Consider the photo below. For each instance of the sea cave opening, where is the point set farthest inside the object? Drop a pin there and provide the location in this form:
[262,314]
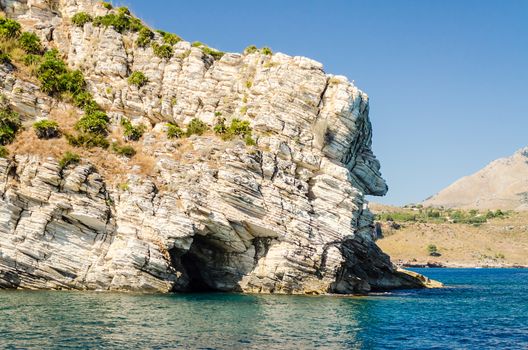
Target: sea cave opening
[204,267]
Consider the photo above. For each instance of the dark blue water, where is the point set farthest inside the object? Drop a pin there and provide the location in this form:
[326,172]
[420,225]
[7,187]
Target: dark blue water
[479,309]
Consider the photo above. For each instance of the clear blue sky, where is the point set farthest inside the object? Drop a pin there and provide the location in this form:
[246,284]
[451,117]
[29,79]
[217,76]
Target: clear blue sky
[447,80]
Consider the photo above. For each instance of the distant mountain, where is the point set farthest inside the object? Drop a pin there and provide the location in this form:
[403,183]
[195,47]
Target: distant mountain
[502,184]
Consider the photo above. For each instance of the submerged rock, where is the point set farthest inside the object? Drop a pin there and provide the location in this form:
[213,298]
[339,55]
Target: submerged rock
[287,215]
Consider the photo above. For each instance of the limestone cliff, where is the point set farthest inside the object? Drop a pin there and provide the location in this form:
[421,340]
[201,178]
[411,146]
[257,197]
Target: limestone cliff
[286,215]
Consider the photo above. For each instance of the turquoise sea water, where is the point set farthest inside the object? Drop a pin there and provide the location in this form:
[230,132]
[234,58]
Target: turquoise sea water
[479,309]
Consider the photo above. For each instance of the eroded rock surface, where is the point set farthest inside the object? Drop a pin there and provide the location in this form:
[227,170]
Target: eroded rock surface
[285,216]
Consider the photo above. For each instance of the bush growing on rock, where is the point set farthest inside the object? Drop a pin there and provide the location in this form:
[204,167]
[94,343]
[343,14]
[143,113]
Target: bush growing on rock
[30,43]
[266,51]
[126,151]
[249,141]
[196,127]
[216,54]
[169,38]
[432,250]
[46,129]
[88,140]
[123,11]
[55,77]
[121,22]
[138,79]
[73,82]
[85,101]
[9,29]
[81,18]
[237,127]
[145,37]
[5,58]
[107,5]
[31,59]
[131,132]
[163,51]
[4,153]
[95,123]
[9,125]
[250,49]
[220,128]
[497,214]
[174,131]
[69,158]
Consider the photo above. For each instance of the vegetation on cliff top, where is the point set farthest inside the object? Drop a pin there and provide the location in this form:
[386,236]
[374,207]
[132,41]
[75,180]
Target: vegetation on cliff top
[25,50]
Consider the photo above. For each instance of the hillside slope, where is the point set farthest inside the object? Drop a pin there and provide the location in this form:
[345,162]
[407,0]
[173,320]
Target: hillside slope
[500,241]
[503,184]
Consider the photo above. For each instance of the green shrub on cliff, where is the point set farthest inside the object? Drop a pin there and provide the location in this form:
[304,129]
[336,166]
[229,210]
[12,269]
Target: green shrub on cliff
[95,122]
[107,5]
[145,37]
[163,51]
[266,51]
[215,53]
[46,129]
[4,153]
[125,151]
[31,59]
[88,140]
[169,38]
[9,125]
[9,29]
[138,79]
[196,127]
[174,131]
[121,22]
[132,132]
[85,101]
[30,43]
[240,128]
[69,158]
[4,58]
[56,78]
[250,49]
[81,18]
[249,141]
[220,127]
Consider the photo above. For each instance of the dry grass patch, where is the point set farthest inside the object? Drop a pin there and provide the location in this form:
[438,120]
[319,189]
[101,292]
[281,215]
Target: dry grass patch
[498,242]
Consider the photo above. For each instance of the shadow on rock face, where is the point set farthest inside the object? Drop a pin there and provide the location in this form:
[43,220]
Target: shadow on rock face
[208,266]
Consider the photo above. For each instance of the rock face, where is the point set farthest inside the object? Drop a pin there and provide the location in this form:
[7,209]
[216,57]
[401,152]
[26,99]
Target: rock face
[502,184]
[285,216]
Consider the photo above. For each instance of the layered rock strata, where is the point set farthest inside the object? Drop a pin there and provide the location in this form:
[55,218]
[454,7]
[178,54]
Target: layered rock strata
[285,216]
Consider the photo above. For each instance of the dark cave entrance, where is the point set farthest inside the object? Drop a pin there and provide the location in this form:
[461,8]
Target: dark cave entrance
[210,266]
[193,266]
[198,265]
